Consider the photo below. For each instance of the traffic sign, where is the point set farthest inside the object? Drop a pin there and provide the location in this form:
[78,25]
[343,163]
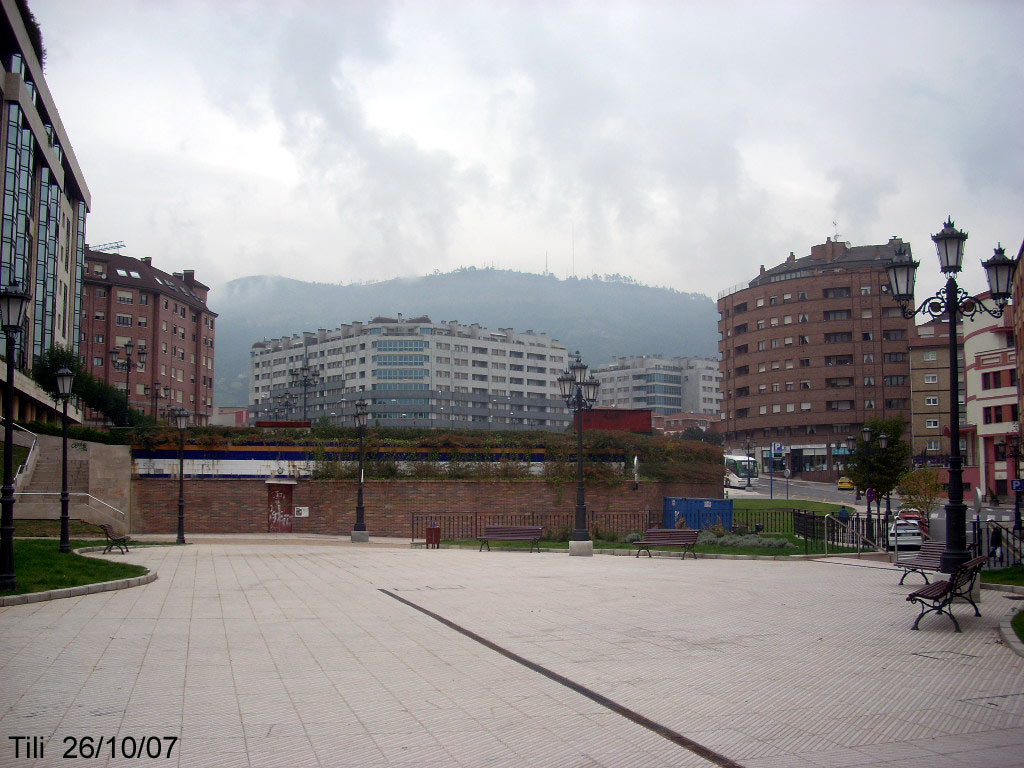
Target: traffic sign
[1017,485]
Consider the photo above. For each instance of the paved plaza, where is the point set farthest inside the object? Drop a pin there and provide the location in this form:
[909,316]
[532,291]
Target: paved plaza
[323,653]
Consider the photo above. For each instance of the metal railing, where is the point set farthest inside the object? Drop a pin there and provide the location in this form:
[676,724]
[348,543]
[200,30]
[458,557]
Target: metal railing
[72,493]
[469,525]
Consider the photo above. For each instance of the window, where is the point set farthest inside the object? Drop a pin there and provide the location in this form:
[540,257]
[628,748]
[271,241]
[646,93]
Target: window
[865,290]
[894,357]
[805,362]
[869,405]
[101,292]
[99,338]
[894,334]
[865,314]
[838,338]
[895,381]
[838,314]
[869,357]
[97,362]
[869,381]
[125,297]
[931,400]
[931,378]
[931,423]
[867,336]
[933,445]
[837,293]
[930,355]
[805,406]
[124,320]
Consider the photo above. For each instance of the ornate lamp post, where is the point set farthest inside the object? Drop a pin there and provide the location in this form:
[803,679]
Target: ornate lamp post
[180,416]
[127,365]
[580,393]
[65,378]
[13,303]
[359,532]
[750,455]
[953,302]
[306,376]
[883,444]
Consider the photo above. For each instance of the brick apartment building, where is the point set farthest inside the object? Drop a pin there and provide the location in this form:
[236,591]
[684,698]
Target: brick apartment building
[129,300]
[810,351]
[929,385]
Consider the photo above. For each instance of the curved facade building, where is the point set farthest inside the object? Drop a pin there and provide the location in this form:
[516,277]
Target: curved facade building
[811,350]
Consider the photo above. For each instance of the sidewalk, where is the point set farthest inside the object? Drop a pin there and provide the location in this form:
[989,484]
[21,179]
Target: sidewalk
[322,653]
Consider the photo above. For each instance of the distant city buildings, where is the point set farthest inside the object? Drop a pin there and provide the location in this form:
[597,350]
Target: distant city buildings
[45,202]
[812,349]
[412,372]
[665,385]
[129,301]
[929,434]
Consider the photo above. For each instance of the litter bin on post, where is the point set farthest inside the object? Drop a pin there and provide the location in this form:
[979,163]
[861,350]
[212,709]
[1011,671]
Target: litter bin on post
[433,536]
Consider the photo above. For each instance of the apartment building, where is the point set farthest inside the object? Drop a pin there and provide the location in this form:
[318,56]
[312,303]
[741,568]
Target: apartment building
[45,202]
[990,370]
[811,350]
[129,301]
[929,386]
[412,372]
[662,384]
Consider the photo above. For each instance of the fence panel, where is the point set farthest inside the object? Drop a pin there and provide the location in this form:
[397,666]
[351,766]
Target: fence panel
[457,525]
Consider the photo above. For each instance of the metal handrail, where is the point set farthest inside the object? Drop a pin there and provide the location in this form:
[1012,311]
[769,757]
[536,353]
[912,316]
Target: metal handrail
[32,455]
[71,493]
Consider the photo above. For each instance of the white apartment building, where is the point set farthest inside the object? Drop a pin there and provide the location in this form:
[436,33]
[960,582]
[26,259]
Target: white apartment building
[412,373]
[665,385]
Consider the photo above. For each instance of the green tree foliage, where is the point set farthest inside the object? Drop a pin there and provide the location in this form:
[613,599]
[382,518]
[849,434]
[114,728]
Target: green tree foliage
[93,392]
[921,488]
[871,466]
[703,436]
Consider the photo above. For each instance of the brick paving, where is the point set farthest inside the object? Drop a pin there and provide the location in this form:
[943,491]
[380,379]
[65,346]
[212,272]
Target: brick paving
[291,653]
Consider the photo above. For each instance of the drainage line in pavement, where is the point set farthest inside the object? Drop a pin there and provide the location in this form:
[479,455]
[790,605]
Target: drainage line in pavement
[658,728]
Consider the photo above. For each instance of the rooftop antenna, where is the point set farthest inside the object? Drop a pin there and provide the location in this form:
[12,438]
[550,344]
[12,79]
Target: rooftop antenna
[835,231]
[573,250]
[117,245]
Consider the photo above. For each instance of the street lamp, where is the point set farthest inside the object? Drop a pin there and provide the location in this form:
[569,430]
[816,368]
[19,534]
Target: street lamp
[306,376]
[359,532]
[952,302]
[127,365]
[750,458]
[580,393]
[180,416]
[13,304]
[883,443]
[65,378]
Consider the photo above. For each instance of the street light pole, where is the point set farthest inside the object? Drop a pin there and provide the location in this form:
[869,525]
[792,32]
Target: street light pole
[181,422]
[13,303]
[953,302]
[359,532]
[127,365]
[750,457]
[580,393]
[65,378]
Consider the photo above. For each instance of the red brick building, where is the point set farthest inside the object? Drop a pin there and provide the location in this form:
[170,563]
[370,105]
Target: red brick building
[812,349]
[129,300]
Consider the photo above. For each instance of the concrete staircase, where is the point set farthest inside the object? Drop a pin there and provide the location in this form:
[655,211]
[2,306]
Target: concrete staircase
[38,494]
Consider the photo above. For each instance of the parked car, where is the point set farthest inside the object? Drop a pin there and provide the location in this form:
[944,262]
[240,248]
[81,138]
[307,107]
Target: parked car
[909,513]
[844,484]
[905,534]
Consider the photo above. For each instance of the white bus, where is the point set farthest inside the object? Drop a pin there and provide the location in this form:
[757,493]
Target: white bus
[738,470]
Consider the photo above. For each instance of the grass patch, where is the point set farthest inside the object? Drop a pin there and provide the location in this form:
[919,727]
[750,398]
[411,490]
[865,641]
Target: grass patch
[40,567]
[821,507]
[710,549]
[1017,622]
[1013,576]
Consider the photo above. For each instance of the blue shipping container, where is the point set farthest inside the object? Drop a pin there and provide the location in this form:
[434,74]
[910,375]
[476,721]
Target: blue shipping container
[698,513]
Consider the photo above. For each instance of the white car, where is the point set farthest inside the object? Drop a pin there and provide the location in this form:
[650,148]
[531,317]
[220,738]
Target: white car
[904,534]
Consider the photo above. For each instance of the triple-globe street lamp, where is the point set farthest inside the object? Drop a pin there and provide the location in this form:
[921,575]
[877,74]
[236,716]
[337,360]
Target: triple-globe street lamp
[127,365]
[883,443]
[180,418]
[952,302]
[580,393]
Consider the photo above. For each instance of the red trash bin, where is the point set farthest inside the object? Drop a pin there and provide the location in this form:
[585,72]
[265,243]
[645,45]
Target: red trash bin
[433,537]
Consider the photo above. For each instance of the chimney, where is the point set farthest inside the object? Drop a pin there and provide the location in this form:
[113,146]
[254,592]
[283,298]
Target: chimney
[188,275]
[147,260]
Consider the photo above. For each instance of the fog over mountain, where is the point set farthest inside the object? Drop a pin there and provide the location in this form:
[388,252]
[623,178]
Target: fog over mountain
[604,317]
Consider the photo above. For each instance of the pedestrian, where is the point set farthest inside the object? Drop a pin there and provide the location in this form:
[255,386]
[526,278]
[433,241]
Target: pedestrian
[995,541]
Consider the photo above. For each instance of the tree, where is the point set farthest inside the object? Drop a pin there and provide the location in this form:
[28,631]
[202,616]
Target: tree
[921,488]
[871,466]
[703,435]
[94,393]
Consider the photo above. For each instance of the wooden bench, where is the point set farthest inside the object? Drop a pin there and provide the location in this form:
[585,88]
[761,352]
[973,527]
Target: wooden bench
[938,596]
[530,533]
[668,537]
[114,540]
[925,559]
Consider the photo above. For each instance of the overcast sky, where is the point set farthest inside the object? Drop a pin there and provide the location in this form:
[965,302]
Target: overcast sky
[681,143]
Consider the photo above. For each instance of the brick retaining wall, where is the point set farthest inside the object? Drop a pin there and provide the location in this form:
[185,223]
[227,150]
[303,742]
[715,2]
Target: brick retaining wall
[228,505]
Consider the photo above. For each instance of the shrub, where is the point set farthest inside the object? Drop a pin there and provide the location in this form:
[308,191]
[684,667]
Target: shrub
[749,540]
[631,537]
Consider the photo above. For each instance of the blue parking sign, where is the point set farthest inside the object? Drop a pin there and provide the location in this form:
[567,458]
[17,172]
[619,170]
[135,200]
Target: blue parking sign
[1017,485]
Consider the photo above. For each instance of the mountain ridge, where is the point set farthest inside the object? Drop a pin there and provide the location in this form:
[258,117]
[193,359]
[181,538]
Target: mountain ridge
[604,317]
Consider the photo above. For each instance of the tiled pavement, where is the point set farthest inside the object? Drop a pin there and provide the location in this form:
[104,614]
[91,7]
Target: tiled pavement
[290,654]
